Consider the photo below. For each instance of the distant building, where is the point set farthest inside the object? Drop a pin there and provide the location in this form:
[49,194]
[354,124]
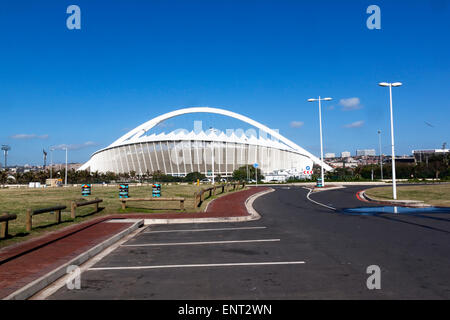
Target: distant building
[330,155]
[422,155]
[345,154]
[365,152]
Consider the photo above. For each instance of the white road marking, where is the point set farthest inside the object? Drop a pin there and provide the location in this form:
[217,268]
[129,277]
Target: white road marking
[320,204]
[202,230]
[199,265]
[196,243]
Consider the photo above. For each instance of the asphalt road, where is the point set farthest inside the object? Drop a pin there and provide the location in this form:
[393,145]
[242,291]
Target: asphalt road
[297,250]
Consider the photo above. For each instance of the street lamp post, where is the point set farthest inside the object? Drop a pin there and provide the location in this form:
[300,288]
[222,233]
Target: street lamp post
[65,182]
[390,85]
[51,162]
[381,156]
[321,144]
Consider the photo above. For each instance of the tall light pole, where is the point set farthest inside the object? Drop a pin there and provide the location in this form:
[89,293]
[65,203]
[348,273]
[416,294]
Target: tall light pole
[65,182]
[51,162]
[5,149]
[321,144]
[390,85]
[381,155]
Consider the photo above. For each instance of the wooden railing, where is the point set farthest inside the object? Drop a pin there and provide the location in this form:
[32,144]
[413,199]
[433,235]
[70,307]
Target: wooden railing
[125,200]
[30,213]
[200,196]
[4,220]
[74,205]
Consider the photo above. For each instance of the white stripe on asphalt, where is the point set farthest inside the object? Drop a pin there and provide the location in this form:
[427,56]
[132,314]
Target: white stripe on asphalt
[320,204]
[200,265]
[196,243]
[201,230]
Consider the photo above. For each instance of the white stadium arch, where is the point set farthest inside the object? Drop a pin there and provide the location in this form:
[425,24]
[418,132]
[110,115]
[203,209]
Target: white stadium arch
[136,151]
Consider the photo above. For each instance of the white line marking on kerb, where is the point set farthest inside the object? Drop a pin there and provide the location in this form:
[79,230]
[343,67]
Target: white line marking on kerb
[202,230]
[196,243]
[200,265]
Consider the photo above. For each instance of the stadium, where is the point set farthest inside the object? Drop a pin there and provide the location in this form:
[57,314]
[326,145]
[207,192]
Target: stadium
[211,152]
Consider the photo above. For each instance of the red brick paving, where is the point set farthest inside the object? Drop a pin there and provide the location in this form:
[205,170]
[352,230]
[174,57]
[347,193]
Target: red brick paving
[27,261]
[18,272]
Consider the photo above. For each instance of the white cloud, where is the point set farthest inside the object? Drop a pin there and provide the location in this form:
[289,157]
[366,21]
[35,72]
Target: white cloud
[356,124]
[296,124]
[29,136]
[74,146]
[350,104]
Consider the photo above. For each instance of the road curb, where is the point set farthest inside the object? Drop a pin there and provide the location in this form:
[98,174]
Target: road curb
[253,214]
[403,203]
[42,282]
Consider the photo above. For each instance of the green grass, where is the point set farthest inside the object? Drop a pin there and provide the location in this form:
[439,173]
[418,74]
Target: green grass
[17,201]
[436,195]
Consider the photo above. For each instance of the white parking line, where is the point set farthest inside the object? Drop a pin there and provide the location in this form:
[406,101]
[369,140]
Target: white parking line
[197,243]
[200,265]
[202,230]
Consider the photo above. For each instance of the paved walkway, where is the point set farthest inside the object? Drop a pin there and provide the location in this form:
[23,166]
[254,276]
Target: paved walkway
[22,263]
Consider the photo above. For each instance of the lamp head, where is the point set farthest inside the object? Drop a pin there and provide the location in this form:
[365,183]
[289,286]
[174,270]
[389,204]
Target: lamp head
[327,99]
[397,84]
[311,100]
[383,84]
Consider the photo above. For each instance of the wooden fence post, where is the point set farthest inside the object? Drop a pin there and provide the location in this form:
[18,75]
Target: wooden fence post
[124,204]
[214,191]
[4,231]
[182,205]
[73,208]
[58,216]
[29,220]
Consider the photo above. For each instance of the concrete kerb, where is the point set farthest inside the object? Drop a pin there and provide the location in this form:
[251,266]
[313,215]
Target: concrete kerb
[253,215]
[314,190]
[405,203]
[39,284]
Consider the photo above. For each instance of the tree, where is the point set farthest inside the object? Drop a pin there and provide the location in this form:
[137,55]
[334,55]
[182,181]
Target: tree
[241,173]
[193,176]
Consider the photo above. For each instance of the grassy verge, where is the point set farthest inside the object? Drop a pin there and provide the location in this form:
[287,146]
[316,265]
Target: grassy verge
[17,201]
[436,195]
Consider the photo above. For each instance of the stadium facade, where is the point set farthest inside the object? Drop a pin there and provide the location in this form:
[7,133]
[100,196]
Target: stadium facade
[212,152]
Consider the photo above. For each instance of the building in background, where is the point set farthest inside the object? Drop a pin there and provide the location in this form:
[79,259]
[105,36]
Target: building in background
[330,155]
[345,154]
[365,152]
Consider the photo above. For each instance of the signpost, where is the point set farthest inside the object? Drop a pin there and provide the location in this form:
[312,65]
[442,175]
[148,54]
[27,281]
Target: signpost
[86,190]
[123,190]
[156,190]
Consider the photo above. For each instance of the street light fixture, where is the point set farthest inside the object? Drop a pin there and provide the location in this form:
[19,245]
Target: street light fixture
[390,85]
[321,144]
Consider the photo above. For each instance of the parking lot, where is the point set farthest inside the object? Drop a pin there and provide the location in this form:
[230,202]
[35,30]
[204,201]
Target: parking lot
[186,261]
[297,250]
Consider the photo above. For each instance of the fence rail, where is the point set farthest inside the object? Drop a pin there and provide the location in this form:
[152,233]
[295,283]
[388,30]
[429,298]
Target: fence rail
[30,213]
[199,197]
[4,220]
[74,205]
[181,200]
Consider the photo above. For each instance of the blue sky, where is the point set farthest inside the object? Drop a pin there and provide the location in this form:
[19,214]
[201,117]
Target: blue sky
[134,60]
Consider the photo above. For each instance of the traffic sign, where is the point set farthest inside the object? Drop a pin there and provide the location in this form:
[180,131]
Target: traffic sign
[255,165]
